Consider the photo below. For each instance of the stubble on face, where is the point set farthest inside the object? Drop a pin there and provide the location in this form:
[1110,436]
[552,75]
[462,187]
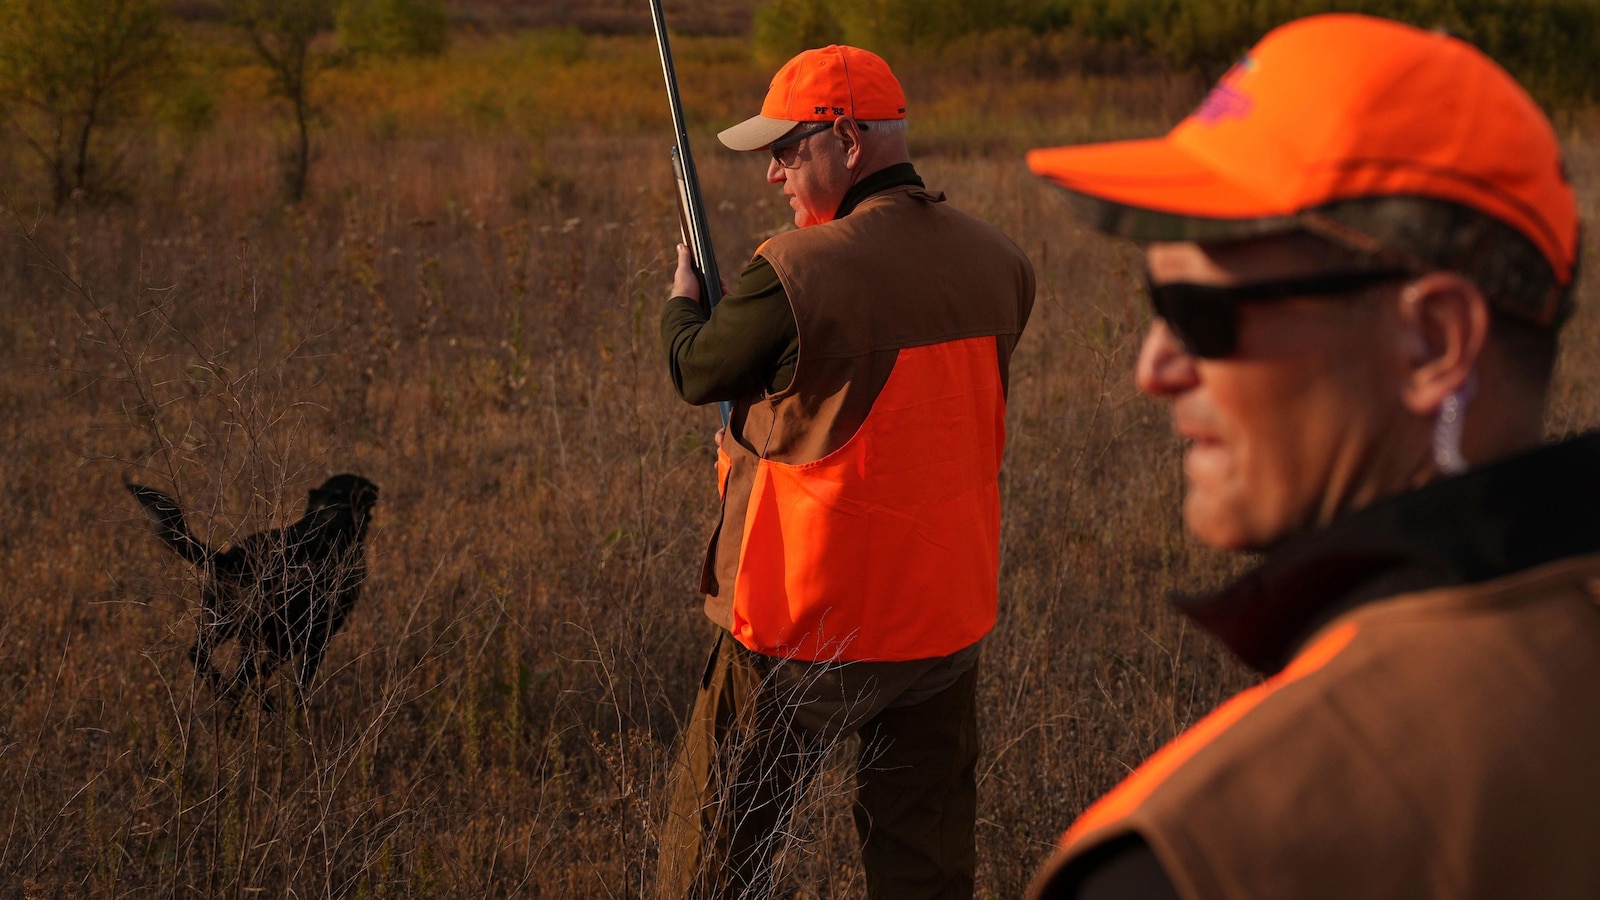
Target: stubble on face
[1296,427]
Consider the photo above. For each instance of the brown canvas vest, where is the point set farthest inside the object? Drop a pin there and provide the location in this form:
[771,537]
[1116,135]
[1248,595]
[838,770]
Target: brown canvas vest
[1441,744]
[861,503]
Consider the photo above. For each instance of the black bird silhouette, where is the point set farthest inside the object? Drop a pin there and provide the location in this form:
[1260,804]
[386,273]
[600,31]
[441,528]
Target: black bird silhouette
[280,593]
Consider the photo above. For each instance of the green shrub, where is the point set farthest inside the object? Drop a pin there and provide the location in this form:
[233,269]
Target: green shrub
[786,27]
[1551,46]
[566,46]
[393,28]
[188,106]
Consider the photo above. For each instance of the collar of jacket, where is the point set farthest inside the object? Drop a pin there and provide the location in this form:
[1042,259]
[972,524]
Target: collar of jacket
[1535,508]
[897,175]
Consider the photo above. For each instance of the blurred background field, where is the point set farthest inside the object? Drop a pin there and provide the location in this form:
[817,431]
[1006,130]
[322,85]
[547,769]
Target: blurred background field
[462,306]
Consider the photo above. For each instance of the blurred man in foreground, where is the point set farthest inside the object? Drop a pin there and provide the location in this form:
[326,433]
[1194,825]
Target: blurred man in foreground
[855,568]
[1361,247]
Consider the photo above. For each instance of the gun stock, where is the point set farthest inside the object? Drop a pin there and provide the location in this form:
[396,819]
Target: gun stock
[692,220]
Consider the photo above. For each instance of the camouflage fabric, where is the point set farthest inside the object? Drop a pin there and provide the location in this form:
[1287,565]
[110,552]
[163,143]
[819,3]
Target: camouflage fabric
[1419,233]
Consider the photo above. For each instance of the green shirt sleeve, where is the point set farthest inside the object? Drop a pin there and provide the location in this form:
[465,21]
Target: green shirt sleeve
[748,344]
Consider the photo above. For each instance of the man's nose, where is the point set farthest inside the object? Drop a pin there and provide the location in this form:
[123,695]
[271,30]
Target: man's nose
[775,172]
[1165,368]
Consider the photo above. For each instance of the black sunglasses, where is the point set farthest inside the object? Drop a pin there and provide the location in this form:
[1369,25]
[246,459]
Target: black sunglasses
[1204,317]
[784,150]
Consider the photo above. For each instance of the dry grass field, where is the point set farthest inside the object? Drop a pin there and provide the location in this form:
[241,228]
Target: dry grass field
[464,311]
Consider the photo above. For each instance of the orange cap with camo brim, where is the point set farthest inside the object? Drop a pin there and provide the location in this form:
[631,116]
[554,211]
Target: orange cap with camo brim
[819,86]
[1327,109]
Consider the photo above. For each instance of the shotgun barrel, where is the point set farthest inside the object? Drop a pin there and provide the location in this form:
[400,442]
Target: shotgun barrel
[692,220]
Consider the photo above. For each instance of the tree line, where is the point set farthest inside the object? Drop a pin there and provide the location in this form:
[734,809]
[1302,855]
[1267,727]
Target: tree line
[1551,46]
[76,75]
[79,77]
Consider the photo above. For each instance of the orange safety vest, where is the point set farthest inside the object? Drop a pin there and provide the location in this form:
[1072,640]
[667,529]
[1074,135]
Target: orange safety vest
[861,515]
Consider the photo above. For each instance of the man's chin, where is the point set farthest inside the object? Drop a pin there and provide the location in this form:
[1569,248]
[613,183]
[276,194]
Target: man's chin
[1213,526]
[1232,534]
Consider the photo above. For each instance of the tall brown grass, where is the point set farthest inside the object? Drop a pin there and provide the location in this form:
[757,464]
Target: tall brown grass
[467,316]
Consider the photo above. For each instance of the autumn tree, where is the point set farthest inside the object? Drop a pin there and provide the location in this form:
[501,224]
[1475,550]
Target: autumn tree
[284,35]
[73,74]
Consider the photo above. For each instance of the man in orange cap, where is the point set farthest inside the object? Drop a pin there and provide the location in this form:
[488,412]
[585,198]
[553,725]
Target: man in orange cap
[855,567]
[1360,249]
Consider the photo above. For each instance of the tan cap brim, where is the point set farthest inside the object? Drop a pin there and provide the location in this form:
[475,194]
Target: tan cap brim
[754,133]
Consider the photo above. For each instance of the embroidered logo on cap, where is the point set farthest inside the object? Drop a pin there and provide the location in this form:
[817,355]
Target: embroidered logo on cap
[1226,101]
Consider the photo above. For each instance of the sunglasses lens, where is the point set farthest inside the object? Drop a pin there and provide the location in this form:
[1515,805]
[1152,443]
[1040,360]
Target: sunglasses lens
[787,151]
[1202,319]
[1205,317]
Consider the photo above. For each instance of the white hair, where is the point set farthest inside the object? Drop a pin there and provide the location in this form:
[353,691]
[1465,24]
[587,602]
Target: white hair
[885,127]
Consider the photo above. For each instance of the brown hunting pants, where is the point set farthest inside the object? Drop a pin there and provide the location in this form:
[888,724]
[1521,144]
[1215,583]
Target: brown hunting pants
[746,759]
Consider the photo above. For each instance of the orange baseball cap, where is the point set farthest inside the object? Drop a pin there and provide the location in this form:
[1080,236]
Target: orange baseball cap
[819,86]
[1329,109]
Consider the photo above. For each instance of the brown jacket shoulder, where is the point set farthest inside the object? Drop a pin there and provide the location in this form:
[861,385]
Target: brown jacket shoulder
[1446,747]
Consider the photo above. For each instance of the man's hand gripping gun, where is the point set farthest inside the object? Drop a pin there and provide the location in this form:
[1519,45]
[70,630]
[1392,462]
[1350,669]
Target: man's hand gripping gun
[692,219]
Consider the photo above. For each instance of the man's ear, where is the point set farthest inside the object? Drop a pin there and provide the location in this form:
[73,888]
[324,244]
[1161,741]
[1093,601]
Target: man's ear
[849,135]
[1444,326]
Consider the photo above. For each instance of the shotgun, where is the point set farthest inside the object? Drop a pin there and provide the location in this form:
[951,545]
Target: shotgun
[692,221]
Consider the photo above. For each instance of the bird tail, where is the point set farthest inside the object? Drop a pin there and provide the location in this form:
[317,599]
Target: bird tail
[169,525]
